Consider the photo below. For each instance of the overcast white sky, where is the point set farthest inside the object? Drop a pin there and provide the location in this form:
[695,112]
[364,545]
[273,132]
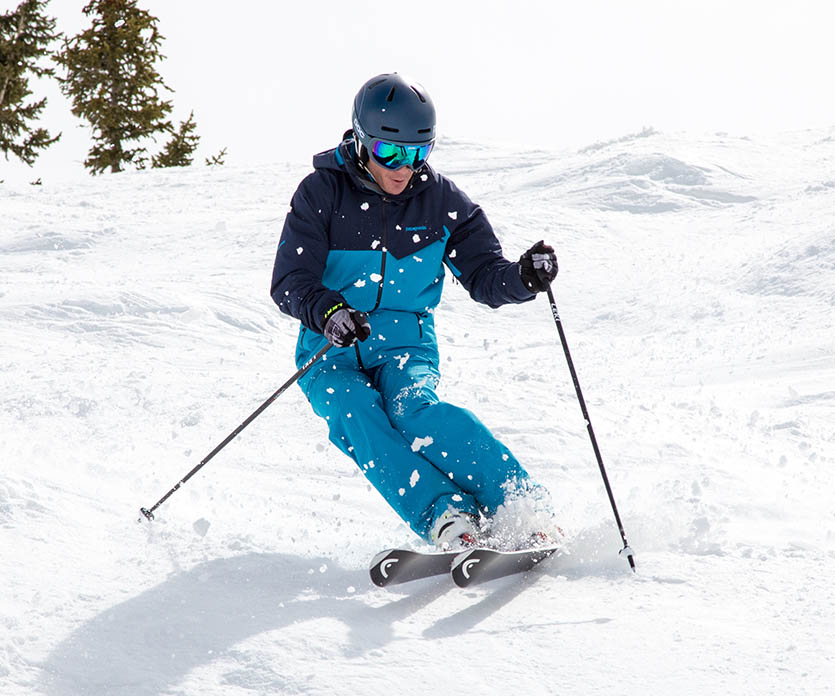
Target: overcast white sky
[273,81]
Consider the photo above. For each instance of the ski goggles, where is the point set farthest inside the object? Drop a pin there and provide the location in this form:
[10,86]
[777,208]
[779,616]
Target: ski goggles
[395,156]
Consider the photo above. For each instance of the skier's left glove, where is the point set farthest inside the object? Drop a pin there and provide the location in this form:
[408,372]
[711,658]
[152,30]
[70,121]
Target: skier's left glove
[538,267]
[344,325]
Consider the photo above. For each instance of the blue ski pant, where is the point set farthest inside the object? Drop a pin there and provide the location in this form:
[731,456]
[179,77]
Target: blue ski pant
[422,454]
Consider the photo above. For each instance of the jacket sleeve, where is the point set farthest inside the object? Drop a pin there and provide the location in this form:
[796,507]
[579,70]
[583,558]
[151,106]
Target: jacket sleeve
[302,252]
[475,257]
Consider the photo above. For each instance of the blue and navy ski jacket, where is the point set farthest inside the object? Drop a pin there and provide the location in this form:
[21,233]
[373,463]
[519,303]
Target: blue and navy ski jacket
[345,240]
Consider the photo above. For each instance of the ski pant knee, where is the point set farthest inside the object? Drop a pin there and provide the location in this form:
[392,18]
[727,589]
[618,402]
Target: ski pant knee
[359,426]
[449,436]
[422,454]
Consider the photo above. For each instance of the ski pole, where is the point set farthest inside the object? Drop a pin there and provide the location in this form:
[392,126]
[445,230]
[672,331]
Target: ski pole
[148,513]
[626,550]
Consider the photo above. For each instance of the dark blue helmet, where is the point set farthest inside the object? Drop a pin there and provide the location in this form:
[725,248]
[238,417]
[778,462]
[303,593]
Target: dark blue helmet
[394,109]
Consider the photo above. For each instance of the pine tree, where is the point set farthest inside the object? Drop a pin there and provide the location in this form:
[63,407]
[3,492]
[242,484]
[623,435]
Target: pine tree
[217,160]
[113,84]
[25,35]
[179,151]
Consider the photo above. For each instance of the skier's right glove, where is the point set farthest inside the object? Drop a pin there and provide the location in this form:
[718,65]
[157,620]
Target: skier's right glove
[538,267]
[345,325]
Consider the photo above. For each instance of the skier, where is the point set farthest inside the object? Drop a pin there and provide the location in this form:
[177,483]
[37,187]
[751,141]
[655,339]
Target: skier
[360,263]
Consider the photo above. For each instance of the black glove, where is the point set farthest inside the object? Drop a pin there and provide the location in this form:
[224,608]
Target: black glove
[344,325]
[538,267]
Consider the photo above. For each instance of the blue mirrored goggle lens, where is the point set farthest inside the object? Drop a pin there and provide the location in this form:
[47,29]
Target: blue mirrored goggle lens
[393,156]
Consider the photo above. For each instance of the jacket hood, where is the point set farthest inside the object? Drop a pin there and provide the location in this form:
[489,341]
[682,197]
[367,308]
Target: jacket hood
[343,158]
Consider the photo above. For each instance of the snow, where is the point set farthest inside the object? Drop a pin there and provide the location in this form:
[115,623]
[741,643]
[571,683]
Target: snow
[696,290]
[419,442]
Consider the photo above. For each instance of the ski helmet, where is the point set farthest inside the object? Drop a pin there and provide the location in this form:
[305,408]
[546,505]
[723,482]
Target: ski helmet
[394,109]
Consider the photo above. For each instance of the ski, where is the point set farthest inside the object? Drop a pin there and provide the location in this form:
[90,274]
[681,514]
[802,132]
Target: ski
[394,566]
[481,564]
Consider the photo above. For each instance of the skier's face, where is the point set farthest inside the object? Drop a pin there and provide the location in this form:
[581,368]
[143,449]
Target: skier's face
[391,181]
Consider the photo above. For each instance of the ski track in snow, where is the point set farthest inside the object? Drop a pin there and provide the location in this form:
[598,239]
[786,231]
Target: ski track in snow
[696,288]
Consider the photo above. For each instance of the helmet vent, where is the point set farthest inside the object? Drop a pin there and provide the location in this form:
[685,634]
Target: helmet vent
[390,96]
[424,130]
[390,129]
[419,95]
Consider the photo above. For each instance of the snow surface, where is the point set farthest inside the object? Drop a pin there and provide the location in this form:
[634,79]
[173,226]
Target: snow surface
[697,290]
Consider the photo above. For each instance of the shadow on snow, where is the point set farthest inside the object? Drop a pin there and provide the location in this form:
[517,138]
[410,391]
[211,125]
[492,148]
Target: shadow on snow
[148,644]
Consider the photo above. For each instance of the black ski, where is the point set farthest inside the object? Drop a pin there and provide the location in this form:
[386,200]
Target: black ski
[480,565]
[394,566]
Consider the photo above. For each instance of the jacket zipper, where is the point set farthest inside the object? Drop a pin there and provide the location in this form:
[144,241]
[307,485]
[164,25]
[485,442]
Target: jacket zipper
[359,356]
[382,275]
[385,253]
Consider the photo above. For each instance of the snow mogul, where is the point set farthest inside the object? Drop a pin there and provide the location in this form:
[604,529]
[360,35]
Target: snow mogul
[360,264]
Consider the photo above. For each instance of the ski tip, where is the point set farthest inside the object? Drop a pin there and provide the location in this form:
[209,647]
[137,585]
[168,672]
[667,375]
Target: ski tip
[396,566]
[380,556]
[382,566]
[480,565]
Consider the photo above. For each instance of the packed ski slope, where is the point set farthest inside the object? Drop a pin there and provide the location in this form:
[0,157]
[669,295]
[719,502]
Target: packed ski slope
[697,289]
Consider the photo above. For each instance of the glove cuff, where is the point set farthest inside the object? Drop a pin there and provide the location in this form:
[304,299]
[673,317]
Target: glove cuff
[332,310]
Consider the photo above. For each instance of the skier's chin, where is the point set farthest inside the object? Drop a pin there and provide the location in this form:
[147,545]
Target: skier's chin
[391,181]
[395,186]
